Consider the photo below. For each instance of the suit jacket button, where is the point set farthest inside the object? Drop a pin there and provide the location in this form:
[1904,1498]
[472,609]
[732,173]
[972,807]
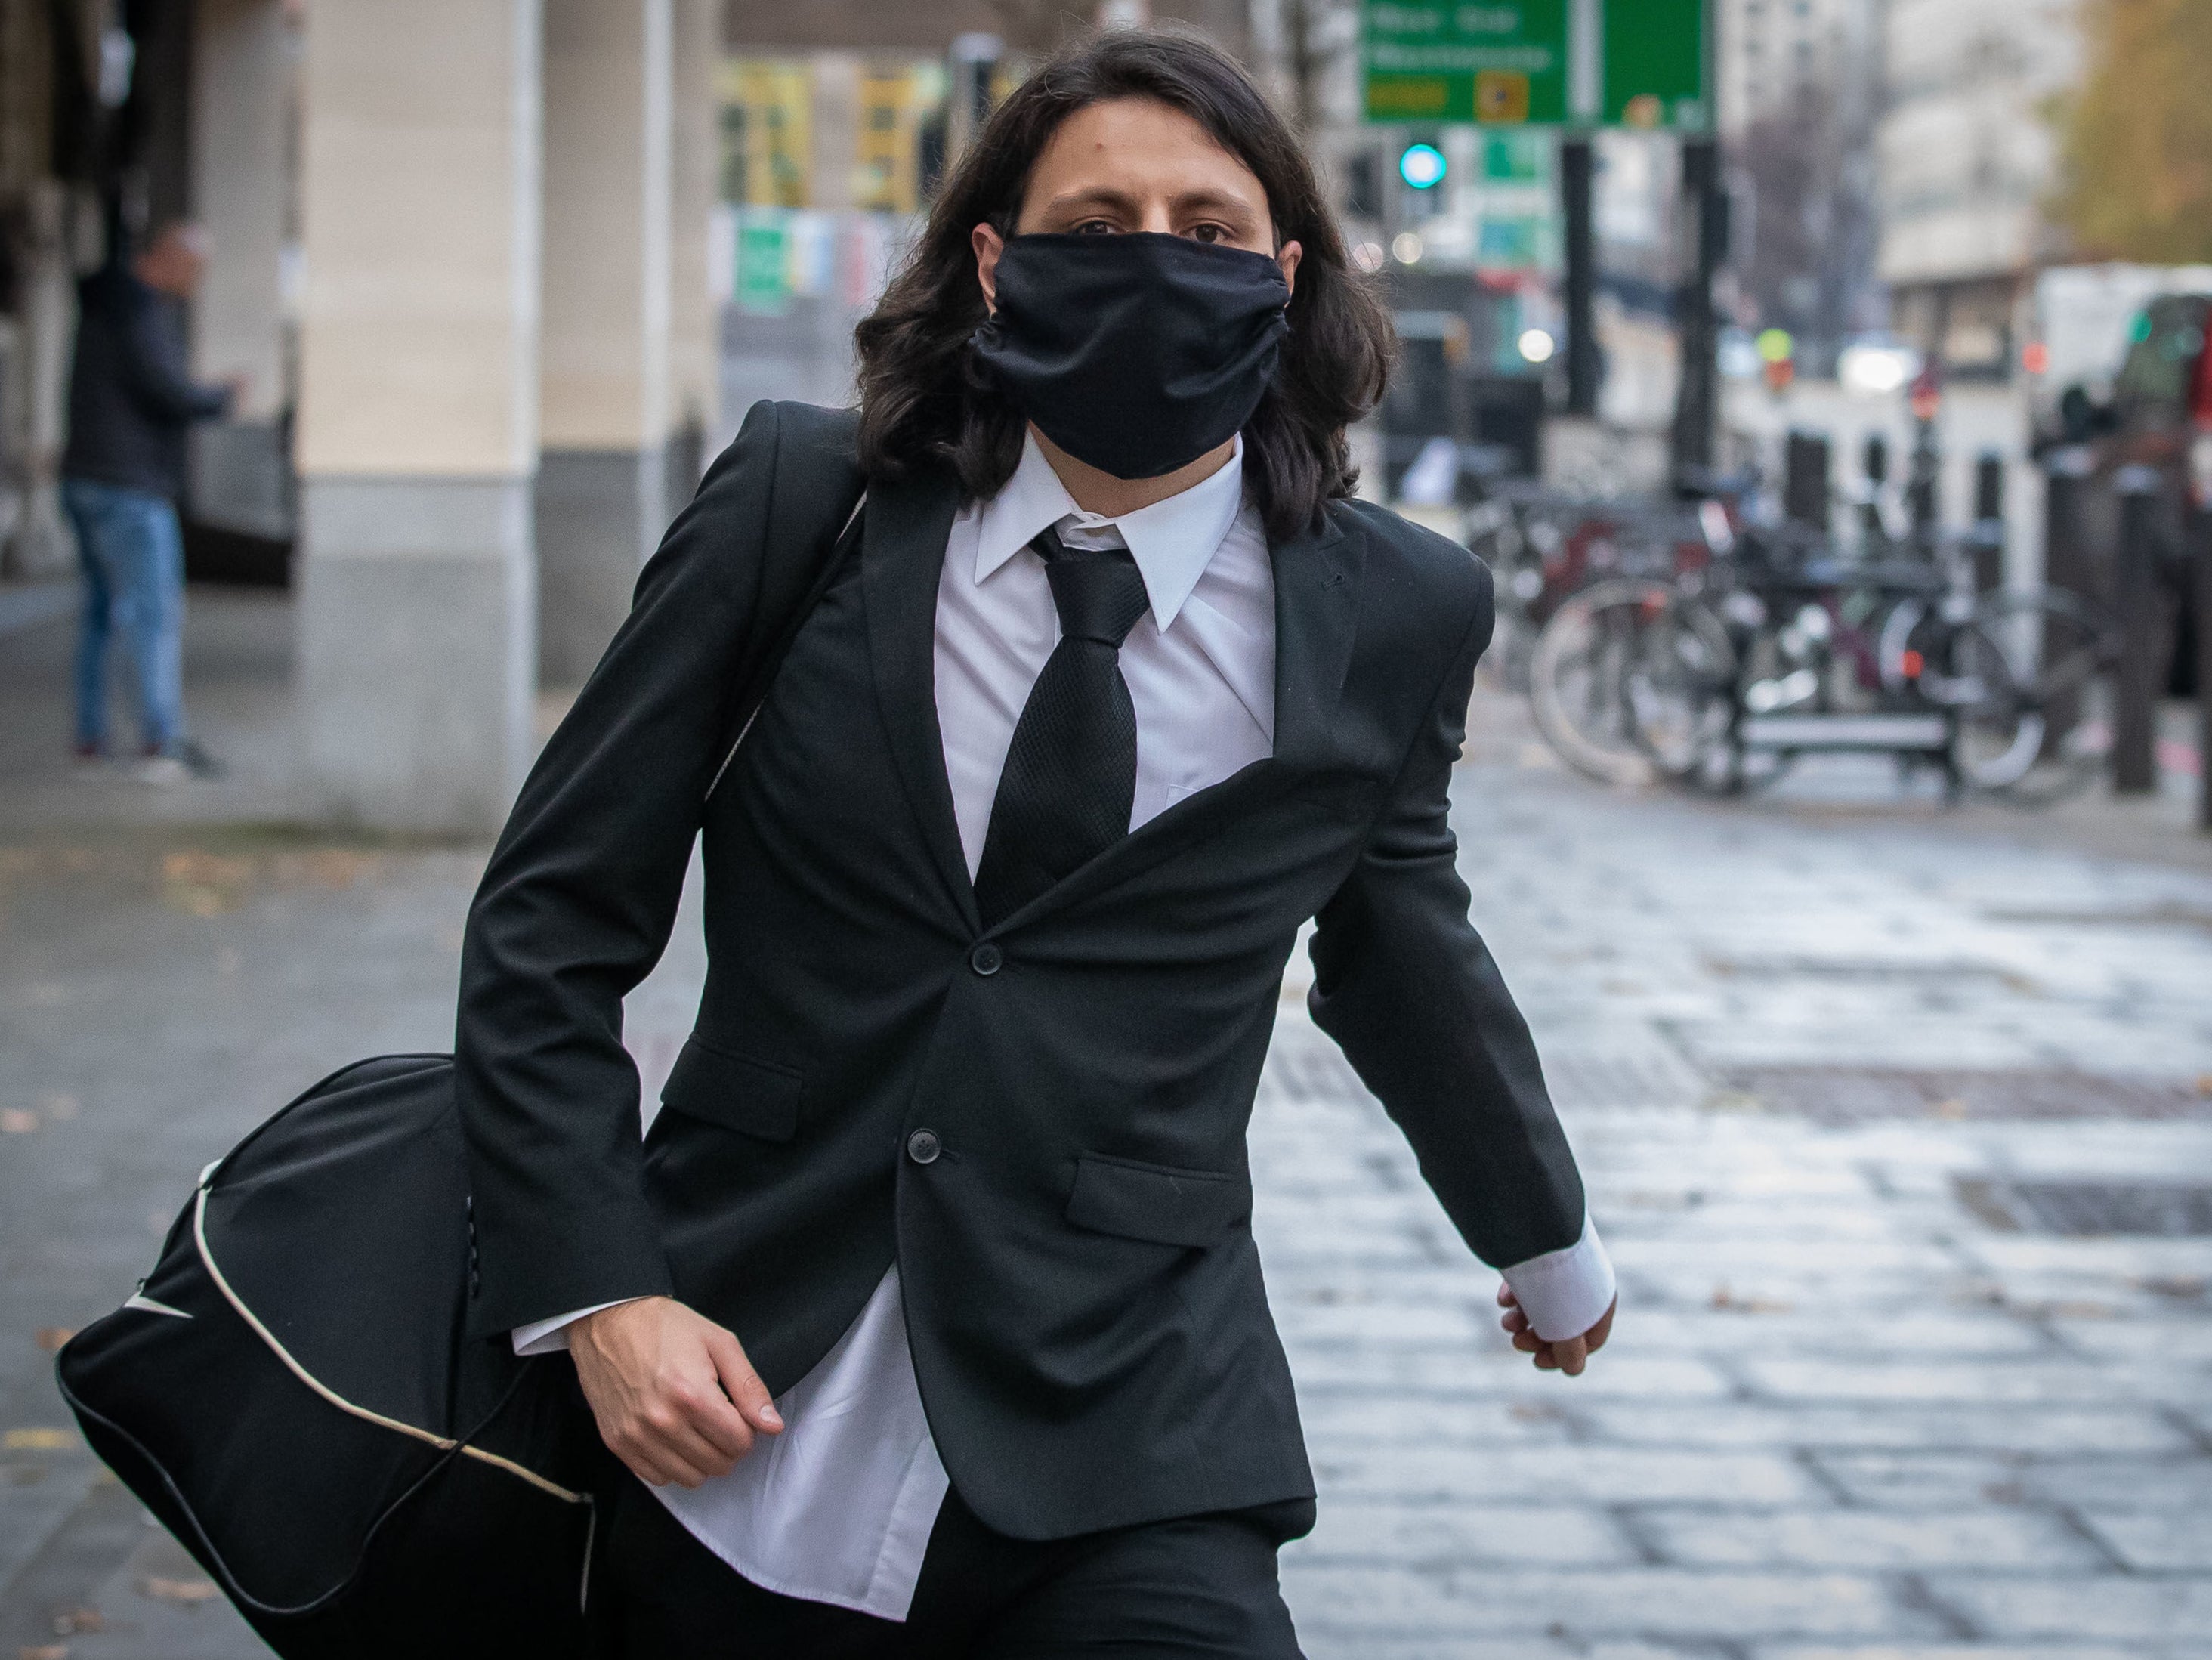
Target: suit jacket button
[986,958]
[923,1146]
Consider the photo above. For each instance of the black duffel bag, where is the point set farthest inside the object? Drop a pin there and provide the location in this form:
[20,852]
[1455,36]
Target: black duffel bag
[291,1391]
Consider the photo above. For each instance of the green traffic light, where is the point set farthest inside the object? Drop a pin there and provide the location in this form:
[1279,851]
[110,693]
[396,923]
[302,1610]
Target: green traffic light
[1422,166]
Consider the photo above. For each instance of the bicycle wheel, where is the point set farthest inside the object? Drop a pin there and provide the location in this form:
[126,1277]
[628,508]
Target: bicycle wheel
[1624,687]
[1999,732]
[2062,653]
[1680,687]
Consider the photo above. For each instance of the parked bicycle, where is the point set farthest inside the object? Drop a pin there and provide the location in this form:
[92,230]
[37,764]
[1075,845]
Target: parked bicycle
[1543,545]
[1721,678]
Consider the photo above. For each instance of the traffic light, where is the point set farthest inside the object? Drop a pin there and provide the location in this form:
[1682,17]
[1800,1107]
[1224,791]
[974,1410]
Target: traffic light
[1778,353]
[1421,166]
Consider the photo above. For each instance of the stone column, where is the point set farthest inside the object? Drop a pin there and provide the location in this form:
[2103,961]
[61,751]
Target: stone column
[694,329]
[241,103]
[601,479]
[418,407]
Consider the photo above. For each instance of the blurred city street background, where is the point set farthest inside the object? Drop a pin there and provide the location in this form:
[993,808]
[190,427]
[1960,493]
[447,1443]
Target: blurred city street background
[1825,382]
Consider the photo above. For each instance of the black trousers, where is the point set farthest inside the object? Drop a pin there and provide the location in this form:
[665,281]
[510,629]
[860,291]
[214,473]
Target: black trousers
[1201,1586]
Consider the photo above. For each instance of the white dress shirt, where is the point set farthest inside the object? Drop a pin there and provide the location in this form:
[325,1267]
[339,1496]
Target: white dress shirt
[839,1507]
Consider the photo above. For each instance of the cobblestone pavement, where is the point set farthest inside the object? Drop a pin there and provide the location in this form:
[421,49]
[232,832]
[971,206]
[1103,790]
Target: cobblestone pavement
[1845,1414]
[1860,1403]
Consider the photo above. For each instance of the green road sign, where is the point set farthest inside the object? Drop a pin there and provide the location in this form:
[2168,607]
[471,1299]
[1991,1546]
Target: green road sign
[764,286]
[1513,61]
[1514,158]
[1489,60]
[1654,65]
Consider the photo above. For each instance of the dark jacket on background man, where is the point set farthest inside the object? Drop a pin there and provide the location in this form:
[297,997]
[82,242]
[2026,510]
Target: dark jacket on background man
[1083,1295]
[132,395]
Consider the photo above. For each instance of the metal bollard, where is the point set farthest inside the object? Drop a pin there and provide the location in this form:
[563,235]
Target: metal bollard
[1923,483]
[1989,521]
[2203,564]
[2068,563]
[2134,599]
[1872,528]
[1989,485]
[1805,481]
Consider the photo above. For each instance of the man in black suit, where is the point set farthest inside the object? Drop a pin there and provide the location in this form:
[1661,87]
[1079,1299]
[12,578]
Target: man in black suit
[928,1315]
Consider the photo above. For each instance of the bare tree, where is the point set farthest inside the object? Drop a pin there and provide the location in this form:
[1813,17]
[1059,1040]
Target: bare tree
[1812,233]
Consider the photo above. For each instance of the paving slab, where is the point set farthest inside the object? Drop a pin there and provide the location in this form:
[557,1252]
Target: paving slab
[1906,1541]
[2067,1607]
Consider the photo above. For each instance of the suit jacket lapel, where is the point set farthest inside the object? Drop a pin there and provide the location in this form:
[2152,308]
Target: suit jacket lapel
[903,545]
[1316,616]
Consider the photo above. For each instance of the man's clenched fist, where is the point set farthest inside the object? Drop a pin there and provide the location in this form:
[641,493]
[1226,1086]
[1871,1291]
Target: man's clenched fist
[675,1397]
[1569,1354]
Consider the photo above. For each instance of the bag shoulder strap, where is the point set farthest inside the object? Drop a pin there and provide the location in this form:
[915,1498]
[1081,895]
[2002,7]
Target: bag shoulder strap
[814,527]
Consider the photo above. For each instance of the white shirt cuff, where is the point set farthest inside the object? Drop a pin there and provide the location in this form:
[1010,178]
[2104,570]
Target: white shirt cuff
[1566,1293]
[551,1337]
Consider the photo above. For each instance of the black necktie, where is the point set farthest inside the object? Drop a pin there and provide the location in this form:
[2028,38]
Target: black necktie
[1071,776]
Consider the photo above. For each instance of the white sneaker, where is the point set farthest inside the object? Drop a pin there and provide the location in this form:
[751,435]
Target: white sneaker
[162,770]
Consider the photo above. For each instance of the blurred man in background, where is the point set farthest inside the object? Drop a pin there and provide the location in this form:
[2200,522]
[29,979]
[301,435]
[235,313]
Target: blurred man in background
[131,398]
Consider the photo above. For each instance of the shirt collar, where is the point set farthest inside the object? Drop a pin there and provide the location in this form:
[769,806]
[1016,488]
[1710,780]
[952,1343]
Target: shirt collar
[1172,541]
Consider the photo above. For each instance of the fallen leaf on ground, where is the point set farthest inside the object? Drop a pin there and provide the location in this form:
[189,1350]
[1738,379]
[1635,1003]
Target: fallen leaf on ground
[37,1440]
[43,1652]
[195,900]
[329,867]
[187,1591]
[192,866]
[76,1620]
[16,1120]
[51,1338]
[1732,1100]
[1725,1299]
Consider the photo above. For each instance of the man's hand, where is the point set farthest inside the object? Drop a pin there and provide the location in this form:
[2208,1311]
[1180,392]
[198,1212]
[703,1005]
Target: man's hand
[1569,1355]
[675,1397]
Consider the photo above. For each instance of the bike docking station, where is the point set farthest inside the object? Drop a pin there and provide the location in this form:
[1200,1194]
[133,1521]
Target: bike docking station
[1714,641]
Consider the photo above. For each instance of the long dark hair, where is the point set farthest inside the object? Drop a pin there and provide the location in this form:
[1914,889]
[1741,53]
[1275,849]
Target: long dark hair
[923,402]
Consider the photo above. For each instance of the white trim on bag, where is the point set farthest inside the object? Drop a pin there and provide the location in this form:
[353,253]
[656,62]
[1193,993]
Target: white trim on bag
[444,1443]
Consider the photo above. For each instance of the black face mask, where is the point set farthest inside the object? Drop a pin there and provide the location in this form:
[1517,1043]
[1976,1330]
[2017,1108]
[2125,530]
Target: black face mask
[1136,353]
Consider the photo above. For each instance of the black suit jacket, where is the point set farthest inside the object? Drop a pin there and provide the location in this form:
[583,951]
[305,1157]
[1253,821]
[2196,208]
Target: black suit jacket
[1083,1298]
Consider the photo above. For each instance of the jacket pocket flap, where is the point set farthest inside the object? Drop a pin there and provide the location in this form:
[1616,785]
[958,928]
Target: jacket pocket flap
[734,1090]
[1153,1201]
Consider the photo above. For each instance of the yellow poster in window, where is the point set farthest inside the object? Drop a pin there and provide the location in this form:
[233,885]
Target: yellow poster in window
[885,177]
[767,136]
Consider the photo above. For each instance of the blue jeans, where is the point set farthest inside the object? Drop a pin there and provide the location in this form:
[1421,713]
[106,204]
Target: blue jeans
[131,553]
